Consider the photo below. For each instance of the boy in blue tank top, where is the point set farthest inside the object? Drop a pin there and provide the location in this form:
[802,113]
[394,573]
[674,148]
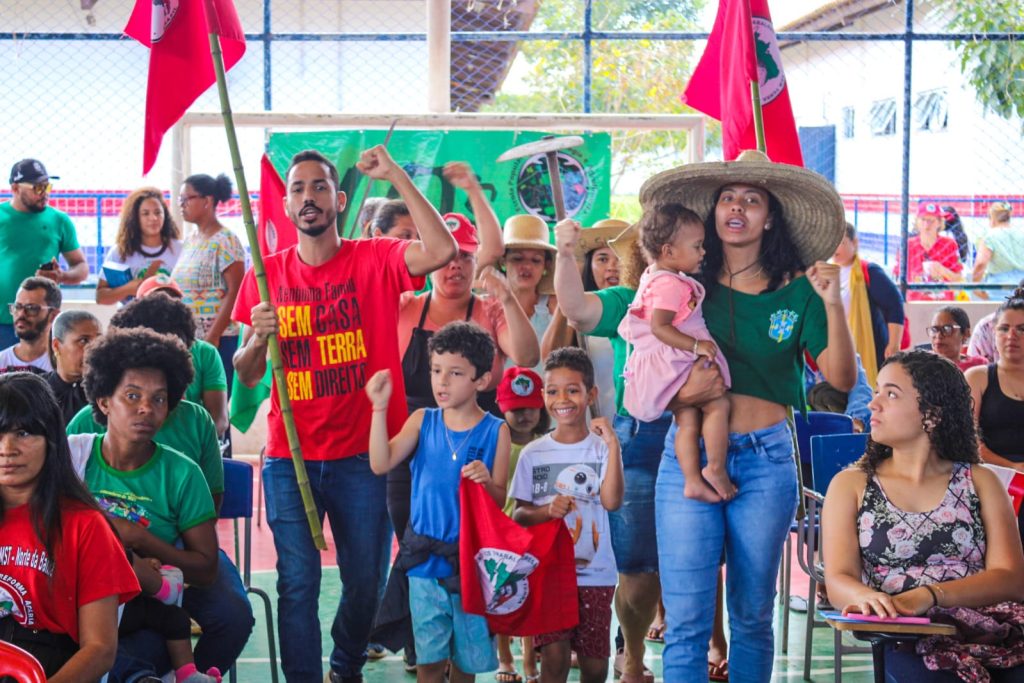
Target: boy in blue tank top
[456,440]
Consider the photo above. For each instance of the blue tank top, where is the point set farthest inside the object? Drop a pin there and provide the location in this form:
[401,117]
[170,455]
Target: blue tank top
[436,478]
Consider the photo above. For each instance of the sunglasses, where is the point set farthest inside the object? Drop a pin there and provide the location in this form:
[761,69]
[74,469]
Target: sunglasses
[39,188]
[941,330]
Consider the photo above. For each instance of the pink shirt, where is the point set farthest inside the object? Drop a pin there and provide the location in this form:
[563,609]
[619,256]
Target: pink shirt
[669,294]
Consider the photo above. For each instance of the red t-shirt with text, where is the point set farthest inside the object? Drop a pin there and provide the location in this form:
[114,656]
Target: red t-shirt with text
[337,325]
[44,593]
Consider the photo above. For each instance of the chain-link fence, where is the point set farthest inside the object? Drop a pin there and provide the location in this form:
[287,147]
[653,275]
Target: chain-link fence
[896,104]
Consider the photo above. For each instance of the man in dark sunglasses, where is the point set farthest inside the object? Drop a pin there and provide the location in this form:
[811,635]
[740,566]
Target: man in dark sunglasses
[32,236]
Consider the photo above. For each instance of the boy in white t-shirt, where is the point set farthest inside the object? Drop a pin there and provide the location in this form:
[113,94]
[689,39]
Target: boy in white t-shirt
[575,473]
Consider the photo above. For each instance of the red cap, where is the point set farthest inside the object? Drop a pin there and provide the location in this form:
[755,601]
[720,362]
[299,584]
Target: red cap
[929,209]
[159,283]
[520,388]
[463,231]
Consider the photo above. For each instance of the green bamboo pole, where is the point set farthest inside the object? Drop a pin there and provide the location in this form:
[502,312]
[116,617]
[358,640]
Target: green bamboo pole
[755,98]
[261,283]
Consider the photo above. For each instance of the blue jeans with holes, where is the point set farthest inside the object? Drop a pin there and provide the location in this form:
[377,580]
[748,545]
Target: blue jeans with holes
[751,528]
[353,499]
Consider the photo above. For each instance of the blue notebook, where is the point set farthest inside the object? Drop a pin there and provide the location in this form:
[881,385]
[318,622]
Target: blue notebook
[116,274]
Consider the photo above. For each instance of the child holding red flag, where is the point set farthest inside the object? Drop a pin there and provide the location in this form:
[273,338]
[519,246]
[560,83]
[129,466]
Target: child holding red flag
[456,440]
[575,474]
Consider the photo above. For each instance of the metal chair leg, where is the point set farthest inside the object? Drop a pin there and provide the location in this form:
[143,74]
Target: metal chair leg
[785,575]
[837,662]
[812,588]
[271,642]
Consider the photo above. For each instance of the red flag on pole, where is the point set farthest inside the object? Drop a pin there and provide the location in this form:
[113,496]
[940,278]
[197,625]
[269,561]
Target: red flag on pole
[741,47]
[276,231]
[180,66]
[522,579]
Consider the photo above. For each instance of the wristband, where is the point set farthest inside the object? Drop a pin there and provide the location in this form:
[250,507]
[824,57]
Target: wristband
[935,596]
[695,343]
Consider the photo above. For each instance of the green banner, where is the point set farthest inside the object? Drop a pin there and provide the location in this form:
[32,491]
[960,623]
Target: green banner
[513,187]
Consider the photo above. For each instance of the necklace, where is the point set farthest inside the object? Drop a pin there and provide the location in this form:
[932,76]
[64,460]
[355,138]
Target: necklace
[448,437]
[744,269]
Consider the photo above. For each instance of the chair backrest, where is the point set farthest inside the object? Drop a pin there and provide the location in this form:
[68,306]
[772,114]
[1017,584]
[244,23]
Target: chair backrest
[818,422]
[237,501]
[831,453]
[21,665]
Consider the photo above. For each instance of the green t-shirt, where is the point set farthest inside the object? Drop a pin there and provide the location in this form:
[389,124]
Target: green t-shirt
[615,302]
[166,495]
[26,241]
[765,337]
[209,371]
[188,429]
[1007,245]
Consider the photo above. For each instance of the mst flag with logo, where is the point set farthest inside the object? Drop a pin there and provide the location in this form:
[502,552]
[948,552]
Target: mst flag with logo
[523,580]
[742,47]
[177,33]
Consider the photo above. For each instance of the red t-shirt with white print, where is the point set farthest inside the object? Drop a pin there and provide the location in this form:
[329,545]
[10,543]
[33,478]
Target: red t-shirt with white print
[338,324]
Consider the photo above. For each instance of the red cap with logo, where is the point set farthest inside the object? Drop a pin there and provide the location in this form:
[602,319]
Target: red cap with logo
[929,209]
[520,388]
[463,231]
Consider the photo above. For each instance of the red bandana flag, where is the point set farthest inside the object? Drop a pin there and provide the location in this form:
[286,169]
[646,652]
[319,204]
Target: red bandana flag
[741,47]
[180,65]
[276,232]
[522,579]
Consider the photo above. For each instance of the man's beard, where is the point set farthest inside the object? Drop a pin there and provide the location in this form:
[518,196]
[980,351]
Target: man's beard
[32,333]
[313,232]
[330,219]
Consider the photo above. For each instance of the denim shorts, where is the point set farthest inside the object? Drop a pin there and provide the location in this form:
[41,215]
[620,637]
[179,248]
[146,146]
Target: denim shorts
[634,540]
[443,631]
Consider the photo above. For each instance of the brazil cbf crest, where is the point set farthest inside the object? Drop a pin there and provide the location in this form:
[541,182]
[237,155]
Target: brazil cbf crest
[782,324]
[503,577]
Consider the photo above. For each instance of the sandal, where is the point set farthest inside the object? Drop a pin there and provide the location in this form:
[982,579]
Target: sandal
[508,677]
[620,661]
[656,634]
[718,672]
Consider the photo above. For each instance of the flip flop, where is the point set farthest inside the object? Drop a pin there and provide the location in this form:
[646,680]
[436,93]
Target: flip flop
[656,634]
[508,677]
[718,672]
[620,661]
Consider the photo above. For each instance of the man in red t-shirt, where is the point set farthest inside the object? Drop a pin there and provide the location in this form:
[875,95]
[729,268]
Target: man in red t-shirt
[334,309]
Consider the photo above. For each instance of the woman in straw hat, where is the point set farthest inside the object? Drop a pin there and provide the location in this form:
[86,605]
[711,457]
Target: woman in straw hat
[770,298]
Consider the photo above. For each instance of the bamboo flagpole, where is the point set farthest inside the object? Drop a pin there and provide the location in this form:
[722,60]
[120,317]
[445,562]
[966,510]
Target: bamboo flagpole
[301,478]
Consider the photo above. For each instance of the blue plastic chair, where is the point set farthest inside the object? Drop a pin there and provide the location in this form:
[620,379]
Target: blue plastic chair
[237,505]
[831,454]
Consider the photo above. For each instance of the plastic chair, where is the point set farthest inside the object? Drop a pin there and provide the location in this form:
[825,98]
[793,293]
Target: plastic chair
[20,665]
[237,505]
[816,423]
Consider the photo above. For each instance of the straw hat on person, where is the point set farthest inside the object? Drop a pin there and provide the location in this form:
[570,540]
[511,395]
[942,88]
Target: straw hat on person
[631,257]
[599,235]
[526,231]
[812,207]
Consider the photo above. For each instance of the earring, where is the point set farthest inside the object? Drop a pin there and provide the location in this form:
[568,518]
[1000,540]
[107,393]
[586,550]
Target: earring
[767,226]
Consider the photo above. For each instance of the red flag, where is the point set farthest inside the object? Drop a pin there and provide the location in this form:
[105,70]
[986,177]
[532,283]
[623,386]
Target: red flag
[276,231]
[180,64]
[522,579]
[742,46]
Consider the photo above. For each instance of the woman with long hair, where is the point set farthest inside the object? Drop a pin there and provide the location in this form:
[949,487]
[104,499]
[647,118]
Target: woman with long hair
[61,604]
[148,242]
[919,527]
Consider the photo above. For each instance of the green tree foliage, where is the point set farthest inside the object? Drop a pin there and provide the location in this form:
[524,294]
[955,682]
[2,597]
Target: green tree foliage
[994,68]
[627,76]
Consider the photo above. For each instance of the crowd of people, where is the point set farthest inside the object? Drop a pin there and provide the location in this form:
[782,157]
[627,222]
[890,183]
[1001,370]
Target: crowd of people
[636,381]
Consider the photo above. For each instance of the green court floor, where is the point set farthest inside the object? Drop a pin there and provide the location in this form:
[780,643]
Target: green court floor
[254,667]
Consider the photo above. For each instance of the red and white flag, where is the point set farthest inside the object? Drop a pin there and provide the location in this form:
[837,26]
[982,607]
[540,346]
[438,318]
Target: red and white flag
[177,33]
[742,47]
[276,232]
[523,579]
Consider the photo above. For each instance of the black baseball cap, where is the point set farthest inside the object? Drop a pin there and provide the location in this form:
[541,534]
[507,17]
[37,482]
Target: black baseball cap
[30,171]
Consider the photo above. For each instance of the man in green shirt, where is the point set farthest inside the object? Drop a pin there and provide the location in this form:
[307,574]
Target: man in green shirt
[32,235]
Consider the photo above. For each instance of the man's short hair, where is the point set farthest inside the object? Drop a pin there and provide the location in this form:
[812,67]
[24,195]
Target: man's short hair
[468,340]
[388,214]
[572,358]
[53,295]
[313,155]
[67,321]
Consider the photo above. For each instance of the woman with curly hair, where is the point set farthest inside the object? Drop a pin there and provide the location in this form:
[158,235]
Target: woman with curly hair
[919,527]
[62,607]
[148,242]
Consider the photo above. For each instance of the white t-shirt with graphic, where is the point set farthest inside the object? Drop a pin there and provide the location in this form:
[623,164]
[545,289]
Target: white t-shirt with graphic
[9,362]
[548,468]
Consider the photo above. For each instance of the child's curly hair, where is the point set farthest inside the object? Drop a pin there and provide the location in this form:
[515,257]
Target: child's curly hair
[467,339]
[944,399]
[659,224]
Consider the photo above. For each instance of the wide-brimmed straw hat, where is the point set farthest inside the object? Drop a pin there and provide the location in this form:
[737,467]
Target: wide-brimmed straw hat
[623,245]
[526,231]
[599,235]
[812,207]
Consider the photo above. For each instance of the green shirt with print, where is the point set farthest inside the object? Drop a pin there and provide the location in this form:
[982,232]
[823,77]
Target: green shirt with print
[615,302]
[209,371]
[188,429]
[27,240]
[167,495]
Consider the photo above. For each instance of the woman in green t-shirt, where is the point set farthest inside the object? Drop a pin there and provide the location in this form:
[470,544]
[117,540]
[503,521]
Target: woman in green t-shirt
[770,298]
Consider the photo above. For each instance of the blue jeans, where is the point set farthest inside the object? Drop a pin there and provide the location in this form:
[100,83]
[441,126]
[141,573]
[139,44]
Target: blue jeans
[632,525]
[751,528]
[903,665]
[225,614]
[353,499]
[226,351]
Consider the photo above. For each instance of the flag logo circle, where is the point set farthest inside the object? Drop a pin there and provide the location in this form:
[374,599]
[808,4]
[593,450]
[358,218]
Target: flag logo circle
[522,386]
[771,79]
[503,578]
[163,14]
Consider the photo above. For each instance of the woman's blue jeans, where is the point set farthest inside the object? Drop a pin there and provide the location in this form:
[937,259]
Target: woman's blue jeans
[751,529]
